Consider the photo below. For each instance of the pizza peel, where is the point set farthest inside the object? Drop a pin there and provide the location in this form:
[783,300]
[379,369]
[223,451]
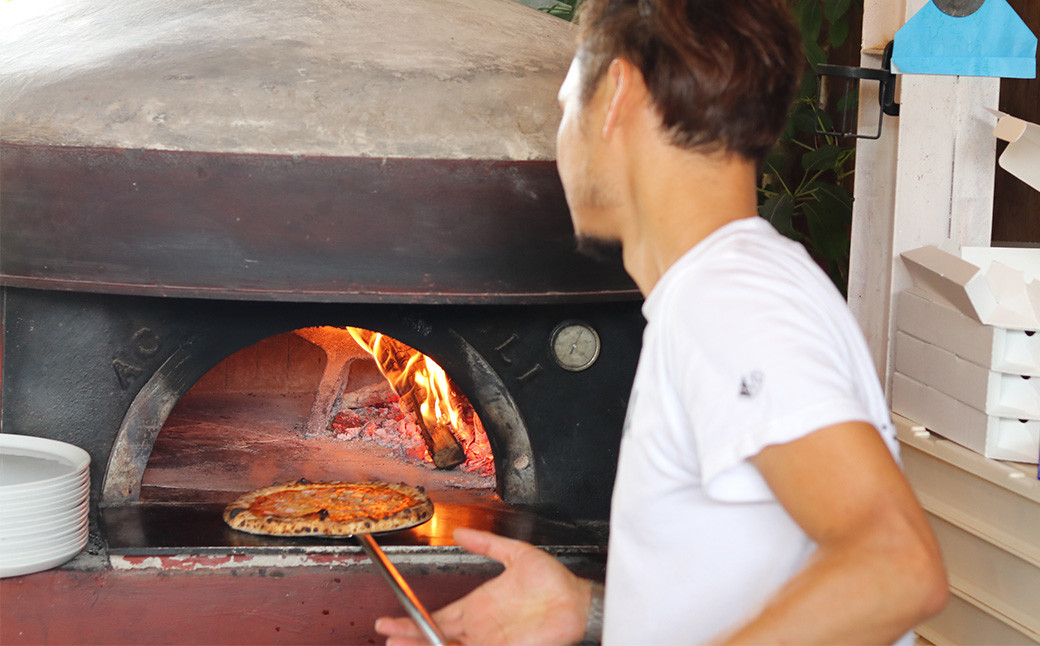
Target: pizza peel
[402,590]
[375,553]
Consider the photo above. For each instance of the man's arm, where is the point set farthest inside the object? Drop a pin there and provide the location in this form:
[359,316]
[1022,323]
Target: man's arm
[536,600]
[876,572]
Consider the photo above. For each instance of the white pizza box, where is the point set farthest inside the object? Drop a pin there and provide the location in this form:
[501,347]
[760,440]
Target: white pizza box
[997,286]
[1000,394]
[996,348]
[1021,157]
[999,438]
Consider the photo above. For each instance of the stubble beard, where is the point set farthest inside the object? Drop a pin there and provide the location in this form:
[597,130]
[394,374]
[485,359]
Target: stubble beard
[590,204]
[599,248]
[592,199]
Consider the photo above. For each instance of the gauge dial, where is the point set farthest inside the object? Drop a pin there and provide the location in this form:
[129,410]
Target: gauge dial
[575,345]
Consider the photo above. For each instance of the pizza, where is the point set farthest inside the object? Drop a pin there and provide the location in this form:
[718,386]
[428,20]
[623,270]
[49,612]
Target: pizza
[329,508]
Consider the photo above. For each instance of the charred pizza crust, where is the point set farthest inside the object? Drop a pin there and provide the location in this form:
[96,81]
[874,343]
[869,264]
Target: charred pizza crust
[329,508]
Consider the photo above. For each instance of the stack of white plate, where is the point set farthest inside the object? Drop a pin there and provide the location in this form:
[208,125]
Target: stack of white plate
[44,503]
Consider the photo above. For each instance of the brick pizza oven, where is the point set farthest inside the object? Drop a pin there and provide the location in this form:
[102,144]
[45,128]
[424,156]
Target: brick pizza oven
[186,187]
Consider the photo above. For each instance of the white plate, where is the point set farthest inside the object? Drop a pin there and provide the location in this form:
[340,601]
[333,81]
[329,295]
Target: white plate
[51,493]
[51,480]
[8,539]
[39,540]
[72,497]
[27,462]
[39,563]
[25,554]
[45,550]
[13,509]
[42,525]
[69,549]
[55,488]
[43,513]
[66,484]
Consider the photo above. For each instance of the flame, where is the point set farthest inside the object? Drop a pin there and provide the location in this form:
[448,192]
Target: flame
[422,384]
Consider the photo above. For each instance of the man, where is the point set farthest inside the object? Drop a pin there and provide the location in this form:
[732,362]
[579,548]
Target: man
[757,498]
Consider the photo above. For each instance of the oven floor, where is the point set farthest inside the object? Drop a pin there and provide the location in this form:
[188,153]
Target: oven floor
[175,528]
[215,447]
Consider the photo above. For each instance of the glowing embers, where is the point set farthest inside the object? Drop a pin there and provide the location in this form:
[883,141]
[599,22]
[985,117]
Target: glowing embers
[432,408]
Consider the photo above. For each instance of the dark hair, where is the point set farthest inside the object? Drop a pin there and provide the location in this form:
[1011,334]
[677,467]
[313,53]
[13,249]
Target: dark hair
[721,73]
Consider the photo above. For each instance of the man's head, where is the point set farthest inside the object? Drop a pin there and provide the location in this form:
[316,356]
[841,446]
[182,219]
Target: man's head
[720,73]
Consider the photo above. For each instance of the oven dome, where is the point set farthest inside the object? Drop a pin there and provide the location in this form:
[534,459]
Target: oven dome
[451,79]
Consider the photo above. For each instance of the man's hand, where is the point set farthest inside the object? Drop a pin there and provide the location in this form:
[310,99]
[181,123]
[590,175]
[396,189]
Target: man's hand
[536,600]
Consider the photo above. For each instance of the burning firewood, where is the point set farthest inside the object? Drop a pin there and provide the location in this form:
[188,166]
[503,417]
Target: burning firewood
[409,373]
[440,440]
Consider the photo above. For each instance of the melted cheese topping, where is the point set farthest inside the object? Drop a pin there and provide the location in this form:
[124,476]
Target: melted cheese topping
[337,503]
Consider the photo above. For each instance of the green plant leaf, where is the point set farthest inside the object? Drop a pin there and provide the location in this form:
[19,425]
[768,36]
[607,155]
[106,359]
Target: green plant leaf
[775,162]
[803,119]
[828,214]
[562,9]
[807,88]
[828,231]
[779,210]
[839,32]
[835,199]
[823,158]
[849,101]
[835,10]
[823,121]
[814,53]
[809,15]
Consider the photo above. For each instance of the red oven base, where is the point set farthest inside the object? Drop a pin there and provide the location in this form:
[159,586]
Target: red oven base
[335,604]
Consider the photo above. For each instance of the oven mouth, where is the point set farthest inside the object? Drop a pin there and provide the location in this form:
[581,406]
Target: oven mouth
[105,371]
[183,453]
[323,404]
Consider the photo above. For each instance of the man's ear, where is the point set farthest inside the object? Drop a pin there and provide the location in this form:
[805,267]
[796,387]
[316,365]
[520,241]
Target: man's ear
[627,93]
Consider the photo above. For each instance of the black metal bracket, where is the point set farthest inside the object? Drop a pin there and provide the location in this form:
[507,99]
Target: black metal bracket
[886,93]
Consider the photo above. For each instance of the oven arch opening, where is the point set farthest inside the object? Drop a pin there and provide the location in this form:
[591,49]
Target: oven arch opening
[515,477]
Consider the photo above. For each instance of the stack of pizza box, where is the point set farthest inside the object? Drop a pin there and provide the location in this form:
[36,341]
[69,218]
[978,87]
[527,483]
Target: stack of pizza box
[967,352]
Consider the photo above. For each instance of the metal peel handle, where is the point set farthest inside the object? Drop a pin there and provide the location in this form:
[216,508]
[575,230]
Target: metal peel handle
[404,593]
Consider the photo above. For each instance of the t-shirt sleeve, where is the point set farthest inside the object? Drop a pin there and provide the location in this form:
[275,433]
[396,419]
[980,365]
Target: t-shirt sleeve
[759,364]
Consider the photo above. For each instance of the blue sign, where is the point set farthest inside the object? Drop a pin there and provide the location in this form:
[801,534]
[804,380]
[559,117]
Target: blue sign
[991,41]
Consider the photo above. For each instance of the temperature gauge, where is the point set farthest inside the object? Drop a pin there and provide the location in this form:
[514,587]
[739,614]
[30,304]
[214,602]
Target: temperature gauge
[575,345]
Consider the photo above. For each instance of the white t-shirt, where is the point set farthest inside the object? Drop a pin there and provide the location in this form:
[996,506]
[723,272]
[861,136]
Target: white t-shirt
[747,344]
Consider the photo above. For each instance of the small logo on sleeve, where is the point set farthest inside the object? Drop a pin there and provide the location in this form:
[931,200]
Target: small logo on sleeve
[751,384]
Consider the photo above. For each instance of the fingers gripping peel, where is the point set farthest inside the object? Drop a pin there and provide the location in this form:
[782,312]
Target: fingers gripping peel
[535,600]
